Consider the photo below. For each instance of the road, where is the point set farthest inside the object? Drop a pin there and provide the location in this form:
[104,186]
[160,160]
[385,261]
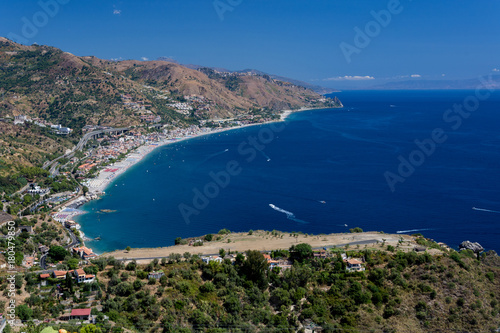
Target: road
[52,165]
[368,241]
[74,240]
[42,261]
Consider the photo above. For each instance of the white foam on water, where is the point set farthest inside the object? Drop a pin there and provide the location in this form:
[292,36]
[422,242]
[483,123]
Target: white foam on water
[289,215]
[412,230]
[486,210]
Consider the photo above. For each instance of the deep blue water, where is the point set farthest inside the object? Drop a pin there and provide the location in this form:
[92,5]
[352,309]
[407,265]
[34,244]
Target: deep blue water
[338,156]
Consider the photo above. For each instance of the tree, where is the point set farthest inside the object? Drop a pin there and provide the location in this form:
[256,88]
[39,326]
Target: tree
[58,253]
[301,251]
[128,248]
[73,263]
[23,312]
[222,253]
[209,237]
[91,328]
[69,282]
[255,268]
[356,230]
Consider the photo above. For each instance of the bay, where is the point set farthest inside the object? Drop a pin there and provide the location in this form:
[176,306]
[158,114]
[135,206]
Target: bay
[320,170]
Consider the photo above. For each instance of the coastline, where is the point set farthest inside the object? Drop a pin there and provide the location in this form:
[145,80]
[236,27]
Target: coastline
[107,175]
[105,178]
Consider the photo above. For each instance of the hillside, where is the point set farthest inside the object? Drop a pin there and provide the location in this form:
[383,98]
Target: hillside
[42,87]
[291,290]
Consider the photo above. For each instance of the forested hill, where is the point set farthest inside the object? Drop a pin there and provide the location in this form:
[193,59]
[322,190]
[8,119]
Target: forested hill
[52,87]
[43,81]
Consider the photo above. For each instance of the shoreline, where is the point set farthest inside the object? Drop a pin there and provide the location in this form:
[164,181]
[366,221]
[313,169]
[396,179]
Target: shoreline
[104,179]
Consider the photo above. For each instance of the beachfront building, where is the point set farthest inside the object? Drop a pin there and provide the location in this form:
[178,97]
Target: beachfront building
[84,252]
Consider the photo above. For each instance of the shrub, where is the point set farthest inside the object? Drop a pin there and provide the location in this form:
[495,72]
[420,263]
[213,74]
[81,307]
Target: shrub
[224,231]
[356,230]
[209,237]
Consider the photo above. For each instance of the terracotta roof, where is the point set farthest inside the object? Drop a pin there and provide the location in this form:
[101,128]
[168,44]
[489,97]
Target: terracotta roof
[60,273]
[80,312]
[354,262]
[80,271]
[44,276]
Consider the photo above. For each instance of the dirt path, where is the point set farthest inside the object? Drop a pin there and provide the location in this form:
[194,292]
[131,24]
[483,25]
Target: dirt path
[265,241]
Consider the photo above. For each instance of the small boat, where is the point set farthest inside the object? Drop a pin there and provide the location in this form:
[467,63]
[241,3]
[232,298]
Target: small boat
[323,202]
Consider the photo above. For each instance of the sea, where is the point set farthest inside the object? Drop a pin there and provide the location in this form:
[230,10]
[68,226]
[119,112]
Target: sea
[394,161]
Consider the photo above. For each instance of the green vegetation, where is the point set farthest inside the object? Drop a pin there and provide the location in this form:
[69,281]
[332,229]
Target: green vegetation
[401,291]
[57,253]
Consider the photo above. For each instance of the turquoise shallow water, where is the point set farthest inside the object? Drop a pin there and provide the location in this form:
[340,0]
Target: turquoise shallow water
[320,170]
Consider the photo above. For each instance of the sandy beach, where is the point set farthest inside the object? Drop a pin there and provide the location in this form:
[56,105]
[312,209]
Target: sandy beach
[106,176]
[265,241]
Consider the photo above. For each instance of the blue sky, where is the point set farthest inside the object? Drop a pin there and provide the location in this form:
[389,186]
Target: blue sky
[422,39]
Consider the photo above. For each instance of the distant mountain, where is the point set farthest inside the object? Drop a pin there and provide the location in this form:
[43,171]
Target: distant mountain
[492,82]
[55,87]
[46,82]
[318,89]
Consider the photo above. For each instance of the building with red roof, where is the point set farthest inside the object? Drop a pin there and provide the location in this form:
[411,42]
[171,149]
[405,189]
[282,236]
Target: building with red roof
[82,314]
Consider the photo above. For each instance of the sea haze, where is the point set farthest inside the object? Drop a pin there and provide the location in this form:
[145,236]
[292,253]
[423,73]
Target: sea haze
[335,156]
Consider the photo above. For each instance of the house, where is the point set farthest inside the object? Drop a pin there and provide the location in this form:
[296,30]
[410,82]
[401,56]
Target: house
[82,277]
[354,265]
[28,262]
[70,224]
[271,262]
[61,275]
[156,275]
[206,260]
[322,254]
[43,278]
[82,314]
[35,189]
[84,252]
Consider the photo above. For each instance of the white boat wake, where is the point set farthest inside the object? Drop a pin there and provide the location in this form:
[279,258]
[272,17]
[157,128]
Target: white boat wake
[412,230]
[486,210]
[289,215]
